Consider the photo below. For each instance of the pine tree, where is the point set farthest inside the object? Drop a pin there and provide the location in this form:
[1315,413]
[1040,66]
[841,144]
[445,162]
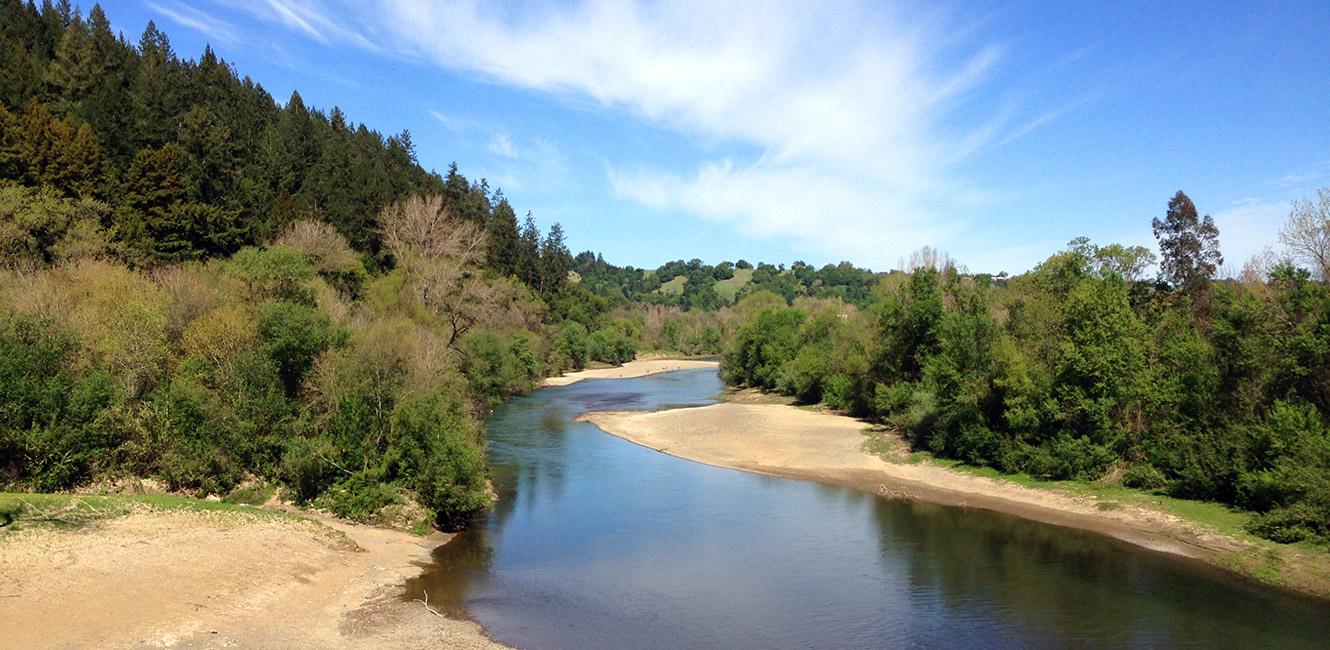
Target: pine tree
[528,253]
[555,260]
[156,89]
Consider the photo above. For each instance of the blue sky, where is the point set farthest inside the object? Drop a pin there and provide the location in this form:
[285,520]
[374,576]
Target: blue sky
[781,131]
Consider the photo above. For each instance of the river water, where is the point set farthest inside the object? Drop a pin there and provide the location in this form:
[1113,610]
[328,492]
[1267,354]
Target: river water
[599,543]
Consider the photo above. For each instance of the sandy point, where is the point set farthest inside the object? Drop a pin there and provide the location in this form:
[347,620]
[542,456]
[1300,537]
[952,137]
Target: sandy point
[636,368]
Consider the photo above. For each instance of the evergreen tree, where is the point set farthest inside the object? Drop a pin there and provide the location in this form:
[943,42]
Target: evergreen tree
[528,253]
[555,261]
[504,242]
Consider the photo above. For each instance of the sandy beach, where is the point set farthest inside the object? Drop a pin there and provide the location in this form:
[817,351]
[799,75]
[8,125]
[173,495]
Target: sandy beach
[636,368]
[187,579]
[786,441]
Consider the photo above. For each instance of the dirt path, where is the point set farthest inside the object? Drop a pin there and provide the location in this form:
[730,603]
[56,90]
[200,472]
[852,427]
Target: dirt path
[187,579]
[637,368]
[785,441]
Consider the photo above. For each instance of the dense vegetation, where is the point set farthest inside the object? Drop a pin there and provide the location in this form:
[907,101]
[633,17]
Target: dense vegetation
[1082,369]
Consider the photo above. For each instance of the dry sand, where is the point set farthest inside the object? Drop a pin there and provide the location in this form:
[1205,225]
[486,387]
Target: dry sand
[185,579]
[636,368]
[786,441]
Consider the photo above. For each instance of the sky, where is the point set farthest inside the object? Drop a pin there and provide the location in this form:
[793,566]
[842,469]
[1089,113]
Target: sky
[792,130]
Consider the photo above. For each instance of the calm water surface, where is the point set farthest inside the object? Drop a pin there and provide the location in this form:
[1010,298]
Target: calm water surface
[599,543]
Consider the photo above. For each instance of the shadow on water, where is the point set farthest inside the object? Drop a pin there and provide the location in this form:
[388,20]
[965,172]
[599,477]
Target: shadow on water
[599,543]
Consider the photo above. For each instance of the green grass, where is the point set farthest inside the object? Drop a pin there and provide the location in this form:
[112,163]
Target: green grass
[1222,518]
[673,287]
[254,495]
[728,289]
[19,510]
[420,527]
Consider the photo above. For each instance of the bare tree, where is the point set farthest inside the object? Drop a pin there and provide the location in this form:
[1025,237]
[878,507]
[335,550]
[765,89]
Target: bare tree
[328,250]
[928,258]
[1307,233]
[440,255]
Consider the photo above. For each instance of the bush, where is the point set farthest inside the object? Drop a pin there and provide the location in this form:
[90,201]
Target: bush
[442,458]
[496,368]
[1304,521]
[294,336]
[359,498]
[574,344]
[52,434]
[616,343]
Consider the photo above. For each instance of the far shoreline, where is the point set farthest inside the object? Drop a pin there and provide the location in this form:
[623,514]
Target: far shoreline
[636,368]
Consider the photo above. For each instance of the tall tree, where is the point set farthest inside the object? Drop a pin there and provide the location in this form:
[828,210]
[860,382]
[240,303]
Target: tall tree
[503,237]
[156,88]
[1190,245]
[555,260]
[528,253]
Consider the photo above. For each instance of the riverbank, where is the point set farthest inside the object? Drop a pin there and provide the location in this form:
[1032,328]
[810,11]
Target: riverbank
[175,578]
[636,368]
[790,442]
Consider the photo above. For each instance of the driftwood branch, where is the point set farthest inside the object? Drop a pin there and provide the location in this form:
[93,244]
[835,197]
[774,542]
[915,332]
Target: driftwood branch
[426,604]
[901,495]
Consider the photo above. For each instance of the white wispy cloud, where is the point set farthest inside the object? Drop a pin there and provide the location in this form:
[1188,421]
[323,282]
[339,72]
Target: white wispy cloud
[502,145]
[324,22]
[859,111]
[448,121]
[214,28]
[526,165]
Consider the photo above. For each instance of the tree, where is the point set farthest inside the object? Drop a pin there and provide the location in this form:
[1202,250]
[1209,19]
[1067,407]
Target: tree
[1190,244]
[441,256]
[1114,259]
[1307,233]
[503,251]
[555,260]
[928,258]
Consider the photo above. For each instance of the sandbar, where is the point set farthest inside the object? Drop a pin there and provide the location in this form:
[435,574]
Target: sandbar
[635,368]
[171,579]
[787,441]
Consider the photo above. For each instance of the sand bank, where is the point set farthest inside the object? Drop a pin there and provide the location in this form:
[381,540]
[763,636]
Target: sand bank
[190,579]
[786,441]
[637,368]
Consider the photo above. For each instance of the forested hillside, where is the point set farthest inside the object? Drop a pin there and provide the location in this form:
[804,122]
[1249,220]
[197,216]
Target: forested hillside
[1085,369]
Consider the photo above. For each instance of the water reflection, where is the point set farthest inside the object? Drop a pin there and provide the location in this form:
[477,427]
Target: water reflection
[598,543]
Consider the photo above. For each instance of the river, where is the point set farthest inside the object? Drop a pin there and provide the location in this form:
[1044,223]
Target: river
[598,543]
